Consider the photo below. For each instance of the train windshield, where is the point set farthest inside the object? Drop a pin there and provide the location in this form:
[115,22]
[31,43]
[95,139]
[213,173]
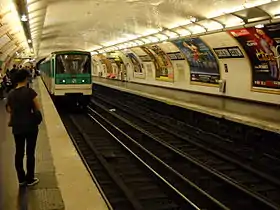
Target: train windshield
[73,64]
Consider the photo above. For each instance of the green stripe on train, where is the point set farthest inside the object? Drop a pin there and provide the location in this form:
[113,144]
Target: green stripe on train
[73,79]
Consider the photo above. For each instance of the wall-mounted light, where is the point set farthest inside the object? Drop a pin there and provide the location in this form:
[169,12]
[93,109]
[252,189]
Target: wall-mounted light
[277,16]
[24,18]
[193,19]
[259,26]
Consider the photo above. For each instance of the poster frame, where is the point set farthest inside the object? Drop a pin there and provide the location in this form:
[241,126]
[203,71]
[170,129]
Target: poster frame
[171,81]
[185,58]
[246,57]
[136,75]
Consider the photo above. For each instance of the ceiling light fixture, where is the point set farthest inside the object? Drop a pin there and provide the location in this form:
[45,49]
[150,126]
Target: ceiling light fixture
[196,27]
[193,19]
[24,18]
[259,26]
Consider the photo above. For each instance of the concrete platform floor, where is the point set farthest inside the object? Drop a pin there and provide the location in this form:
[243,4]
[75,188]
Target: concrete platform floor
[64,180]
[44,196]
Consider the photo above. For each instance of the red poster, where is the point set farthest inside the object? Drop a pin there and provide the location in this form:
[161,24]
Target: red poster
[262,48]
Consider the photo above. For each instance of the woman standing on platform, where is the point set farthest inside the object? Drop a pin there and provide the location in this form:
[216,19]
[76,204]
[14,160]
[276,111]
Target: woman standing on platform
[25,116]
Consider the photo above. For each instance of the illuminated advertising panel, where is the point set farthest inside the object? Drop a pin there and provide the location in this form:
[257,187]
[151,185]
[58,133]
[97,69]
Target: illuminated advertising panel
[107,70]
[203,64]
[138,70]
[162,62]
[262,48]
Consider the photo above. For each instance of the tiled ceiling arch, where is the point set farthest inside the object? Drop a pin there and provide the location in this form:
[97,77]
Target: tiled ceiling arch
[93,24]
[37,13]
[11,38]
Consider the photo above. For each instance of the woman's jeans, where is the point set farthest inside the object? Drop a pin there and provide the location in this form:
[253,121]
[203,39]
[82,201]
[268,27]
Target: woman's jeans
[29,139]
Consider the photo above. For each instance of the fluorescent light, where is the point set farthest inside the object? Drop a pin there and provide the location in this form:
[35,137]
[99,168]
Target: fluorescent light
[193,19]
[256,3]
[224,19]
[170,34]
[196,29]
[182,22]
[211,25]
[134,43]
[161,37]
[139,42]
[259,26]
[153,39]
[182,31]
[146,41]
[131,36]
[150,31]
[24,18]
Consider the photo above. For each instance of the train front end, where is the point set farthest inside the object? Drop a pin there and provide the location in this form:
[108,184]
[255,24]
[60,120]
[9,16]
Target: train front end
[72,76]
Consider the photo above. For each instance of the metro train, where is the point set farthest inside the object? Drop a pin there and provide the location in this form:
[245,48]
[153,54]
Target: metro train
[67,74]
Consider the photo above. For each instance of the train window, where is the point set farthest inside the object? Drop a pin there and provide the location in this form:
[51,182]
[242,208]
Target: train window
[73,64]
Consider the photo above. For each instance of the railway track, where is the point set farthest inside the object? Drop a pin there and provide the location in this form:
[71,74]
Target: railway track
[261,154]
[192,160]
[130,176]
[255,148]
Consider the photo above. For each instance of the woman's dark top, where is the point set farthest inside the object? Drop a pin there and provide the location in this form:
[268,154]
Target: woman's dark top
[21,103]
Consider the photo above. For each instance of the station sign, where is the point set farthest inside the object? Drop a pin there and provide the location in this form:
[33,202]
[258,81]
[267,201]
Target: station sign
[145,58]
[175,56]
[228,52]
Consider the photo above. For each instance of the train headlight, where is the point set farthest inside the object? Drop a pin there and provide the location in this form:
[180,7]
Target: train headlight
[83,80]
[63,81]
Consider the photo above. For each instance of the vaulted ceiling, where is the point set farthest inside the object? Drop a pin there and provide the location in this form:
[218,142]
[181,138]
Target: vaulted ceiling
[94,24]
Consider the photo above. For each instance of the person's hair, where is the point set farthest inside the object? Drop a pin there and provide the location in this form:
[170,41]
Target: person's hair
[14,66]
[21,75]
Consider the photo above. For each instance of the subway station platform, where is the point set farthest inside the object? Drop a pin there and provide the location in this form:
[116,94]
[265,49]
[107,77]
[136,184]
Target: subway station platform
[64,181]
[251,113]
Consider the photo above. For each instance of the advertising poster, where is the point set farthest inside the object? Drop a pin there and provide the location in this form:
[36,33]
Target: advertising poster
[119,69]
[162,62]
[262,48]
[203,64]
[107,70]
[95,68]
[138,70]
